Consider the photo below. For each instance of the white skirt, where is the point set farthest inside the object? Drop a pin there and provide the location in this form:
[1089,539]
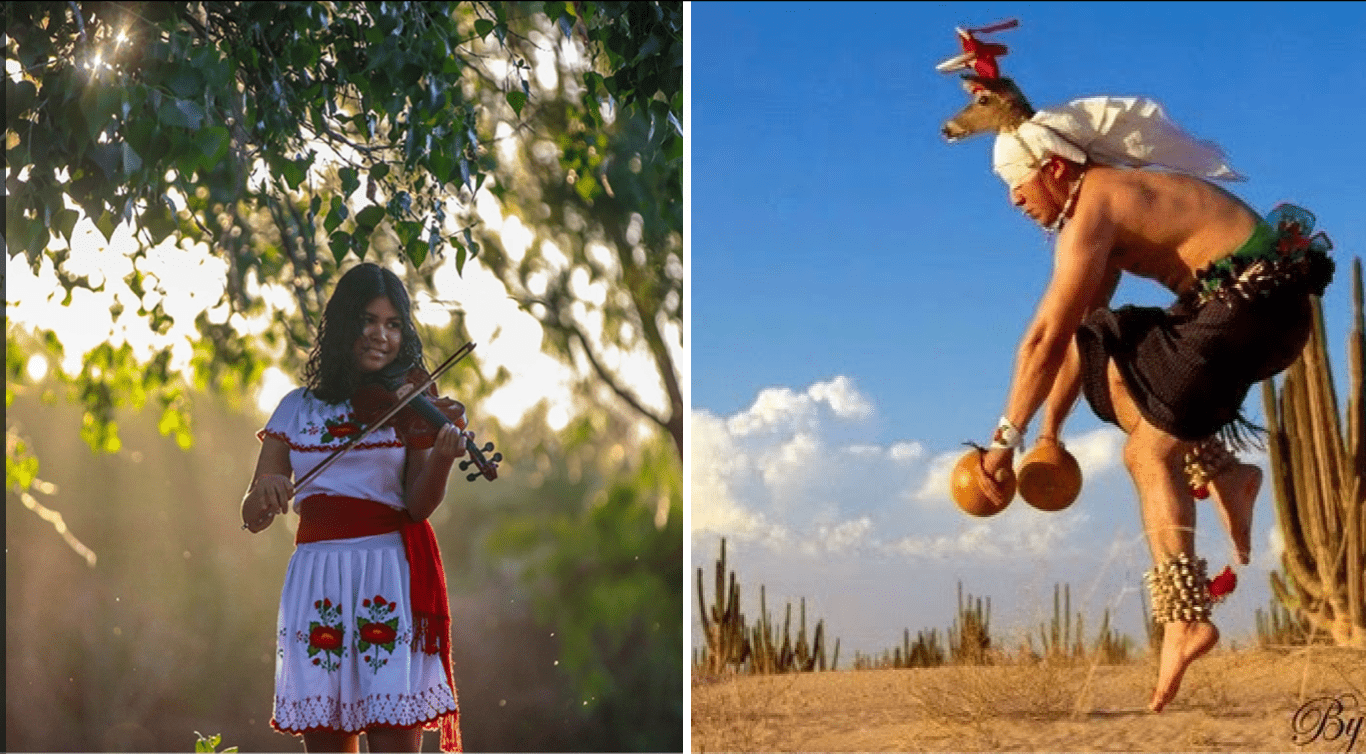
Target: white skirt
[344,658]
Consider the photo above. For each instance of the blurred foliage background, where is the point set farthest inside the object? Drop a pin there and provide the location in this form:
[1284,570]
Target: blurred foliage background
[530,150]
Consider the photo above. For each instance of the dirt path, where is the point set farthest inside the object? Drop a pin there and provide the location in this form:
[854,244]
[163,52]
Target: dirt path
[1254,700]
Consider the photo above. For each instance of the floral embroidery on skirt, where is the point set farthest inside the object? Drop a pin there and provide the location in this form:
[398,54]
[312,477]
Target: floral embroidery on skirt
[345,658]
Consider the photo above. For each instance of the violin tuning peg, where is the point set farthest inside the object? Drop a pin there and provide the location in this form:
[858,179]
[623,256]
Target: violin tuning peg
[497,457]
[472,476]
[488,447]
[464,465]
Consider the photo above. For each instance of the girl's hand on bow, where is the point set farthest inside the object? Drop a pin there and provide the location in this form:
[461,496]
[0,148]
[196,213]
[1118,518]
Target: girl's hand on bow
[269,495]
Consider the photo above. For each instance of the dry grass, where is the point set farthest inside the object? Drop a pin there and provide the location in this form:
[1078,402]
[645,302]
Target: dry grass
[1229,701]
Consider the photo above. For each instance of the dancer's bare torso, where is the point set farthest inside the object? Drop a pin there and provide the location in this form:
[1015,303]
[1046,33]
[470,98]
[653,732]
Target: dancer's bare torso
[1160,226]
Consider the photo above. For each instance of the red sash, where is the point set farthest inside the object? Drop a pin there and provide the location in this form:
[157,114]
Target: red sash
[324,517]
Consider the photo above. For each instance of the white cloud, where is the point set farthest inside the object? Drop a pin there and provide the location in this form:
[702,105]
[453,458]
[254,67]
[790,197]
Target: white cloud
[772,474]
[906,451]
[714,464]
[780,409]
[935,487]
[1097,451]
[815,506]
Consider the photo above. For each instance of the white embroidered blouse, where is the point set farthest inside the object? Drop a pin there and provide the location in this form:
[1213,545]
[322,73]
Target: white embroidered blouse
[372,470]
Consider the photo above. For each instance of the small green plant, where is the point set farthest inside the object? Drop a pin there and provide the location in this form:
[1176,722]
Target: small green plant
[210,745]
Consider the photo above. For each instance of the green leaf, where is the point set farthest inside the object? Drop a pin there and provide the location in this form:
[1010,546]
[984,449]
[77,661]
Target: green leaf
[132,161]
[378,172]
[416,250]
[482,27]
[407,231]
[19,97]
[349,181]
[158,221]
[335,215]
[98,105]
[517,100]
[186,82]
[107,223]
[441,166]
[213,145]
[294,172]
[63,221]
[340,243]
[368,218]
[181,114]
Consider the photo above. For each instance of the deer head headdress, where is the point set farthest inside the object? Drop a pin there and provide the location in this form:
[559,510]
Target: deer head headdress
[997,104]
[1130,131]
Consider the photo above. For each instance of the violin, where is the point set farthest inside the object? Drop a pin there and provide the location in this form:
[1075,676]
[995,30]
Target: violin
[423,415]
[418,421]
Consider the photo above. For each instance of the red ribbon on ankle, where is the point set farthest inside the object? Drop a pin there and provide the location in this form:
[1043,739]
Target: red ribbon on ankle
[1223,584]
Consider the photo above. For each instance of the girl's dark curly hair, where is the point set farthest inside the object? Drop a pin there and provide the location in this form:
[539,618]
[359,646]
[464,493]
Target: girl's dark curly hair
[331,369]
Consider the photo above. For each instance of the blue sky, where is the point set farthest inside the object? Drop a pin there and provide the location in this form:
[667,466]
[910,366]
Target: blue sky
[859,286]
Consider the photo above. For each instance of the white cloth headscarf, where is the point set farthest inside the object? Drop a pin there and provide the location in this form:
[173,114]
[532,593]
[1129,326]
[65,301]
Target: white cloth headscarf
[1130,131]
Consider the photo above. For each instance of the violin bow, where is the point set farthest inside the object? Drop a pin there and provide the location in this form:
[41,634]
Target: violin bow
[450,361]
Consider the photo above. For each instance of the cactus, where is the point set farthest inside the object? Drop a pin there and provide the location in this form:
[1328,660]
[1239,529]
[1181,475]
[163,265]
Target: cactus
[970,637]
[1112,647]
[1277,627]
[1061,642]
[925,652]
[802,656]
[1319,482]
[759,648]
[1057,638]
[1151,627]
[724,628]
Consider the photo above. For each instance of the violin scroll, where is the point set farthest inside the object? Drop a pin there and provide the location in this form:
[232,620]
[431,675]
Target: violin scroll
[487,467]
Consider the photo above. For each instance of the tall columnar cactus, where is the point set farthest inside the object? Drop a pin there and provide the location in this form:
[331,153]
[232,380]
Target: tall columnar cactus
[723,626]
[1058,640]
[1319,480]
[766,653]
[1112,646]
[760,648]
[970,637]
[807,655]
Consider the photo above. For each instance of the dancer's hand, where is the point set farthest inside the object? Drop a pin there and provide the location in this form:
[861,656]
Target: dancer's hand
[994,462]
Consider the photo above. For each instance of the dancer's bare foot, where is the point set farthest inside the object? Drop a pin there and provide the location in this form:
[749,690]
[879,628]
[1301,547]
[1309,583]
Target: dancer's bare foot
[1182,644]
[1235,496]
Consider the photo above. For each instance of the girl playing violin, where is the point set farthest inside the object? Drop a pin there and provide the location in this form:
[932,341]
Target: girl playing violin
[363,633]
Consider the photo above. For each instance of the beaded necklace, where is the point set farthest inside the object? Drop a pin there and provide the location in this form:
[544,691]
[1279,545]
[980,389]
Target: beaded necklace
[1056,225]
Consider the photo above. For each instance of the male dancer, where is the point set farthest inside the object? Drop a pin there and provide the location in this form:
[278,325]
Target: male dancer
[1173,379]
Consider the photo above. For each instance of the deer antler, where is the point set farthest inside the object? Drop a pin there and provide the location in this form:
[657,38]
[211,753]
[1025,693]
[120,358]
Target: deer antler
[981,56]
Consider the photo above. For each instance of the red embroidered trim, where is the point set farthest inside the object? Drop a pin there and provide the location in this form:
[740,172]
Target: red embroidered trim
[447,722]
[263,434]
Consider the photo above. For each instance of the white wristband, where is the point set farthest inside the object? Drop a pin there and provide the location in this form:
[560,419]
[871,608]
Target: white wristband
[1007,436]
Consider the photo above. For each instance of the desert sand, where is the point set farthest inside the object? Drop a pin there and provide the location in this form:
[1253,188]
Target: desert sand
[1279,699]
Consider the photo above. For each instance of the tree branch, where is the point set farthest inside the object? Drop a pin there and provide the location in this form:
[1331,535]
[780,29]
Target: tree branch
[609,378]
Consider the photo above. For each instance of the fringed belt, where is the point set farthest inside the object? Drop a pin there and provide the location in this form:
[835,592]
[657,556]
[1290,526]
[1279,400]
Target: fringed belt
[325,517]
[1281,252]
